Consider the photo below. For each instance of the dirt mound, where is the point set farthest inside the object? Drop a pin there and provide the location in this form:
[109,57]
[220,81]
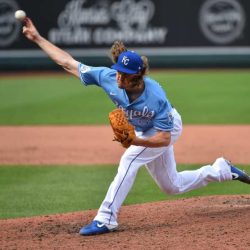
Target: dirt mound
[214,222]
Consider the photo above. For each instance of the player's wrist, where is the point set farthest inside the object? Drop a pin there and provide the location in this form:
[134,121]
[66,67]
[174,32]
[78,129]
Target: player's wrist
[138,141]
[38,38]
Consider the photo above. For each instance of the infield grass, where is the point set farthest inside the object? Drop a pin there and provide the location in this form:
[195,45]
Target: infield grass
[202,97]
[32,190]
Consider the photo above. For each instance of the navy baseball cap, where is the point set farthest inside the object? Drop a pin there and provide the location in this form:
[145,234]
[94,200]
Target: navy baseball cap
[128,62]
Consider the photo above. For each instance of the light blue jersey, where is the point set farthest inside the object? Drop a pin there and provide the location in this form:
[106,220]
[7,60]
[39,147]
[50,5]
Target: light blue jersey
[150,110]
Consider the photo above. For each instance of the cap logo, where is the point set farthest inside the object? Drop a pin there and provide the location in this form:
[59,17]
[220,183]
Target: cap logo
[125,60]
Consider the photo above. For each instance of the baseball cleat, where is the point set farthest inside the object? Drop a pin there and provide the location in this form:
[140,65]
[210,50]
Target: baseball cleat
[238,174]
[96,227]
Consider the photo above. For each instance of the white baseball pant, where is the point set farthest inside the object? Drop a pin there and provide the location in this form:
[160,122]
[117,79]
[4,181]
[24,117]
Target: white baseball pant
[160,162]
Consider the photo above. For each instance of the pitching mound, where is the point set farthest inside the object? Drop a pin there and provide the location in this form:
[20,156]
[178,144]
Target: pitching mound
[215,222]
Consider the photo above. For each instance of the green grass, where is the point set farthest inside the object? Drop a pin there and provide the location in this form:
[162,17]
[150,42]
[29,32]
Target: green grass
[209,97]
[31,190]
[202,97]
[51,100]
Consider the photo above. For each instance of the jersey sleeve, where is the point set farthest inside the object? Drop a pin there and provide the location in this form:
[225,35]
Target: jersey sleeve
[92,75]
[164,119]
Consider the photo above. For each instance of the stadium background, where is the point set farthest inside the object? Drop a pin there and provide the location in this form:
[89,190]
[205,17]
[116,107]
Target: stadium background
[193,33]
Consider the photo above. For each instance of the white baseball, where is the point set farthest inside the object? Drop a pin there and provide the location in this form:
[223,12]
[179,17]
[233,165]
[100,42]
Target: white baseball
[20,15]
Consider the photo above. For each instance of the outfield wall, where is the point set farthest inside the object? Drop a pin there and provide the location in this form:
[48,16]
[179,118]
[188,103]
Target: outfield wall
[180,33]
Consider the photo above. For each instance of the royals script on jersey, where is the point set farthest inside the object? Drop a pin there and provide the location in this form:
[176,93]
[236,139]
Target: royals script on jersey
[150,110]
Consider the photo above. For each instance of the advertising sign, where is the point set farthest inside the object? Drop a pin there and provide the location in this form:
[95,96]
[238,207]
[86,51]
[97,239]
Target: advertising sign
[156,27]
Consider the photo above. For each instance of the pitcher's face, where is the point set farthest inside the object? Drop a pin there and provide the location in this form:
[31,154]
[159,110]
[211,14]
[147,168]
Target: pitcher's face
[123,80]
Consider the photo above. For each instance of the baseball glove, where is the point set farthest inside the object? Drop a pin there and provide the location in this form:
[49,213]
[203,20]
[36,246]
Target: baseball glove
[123,131]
